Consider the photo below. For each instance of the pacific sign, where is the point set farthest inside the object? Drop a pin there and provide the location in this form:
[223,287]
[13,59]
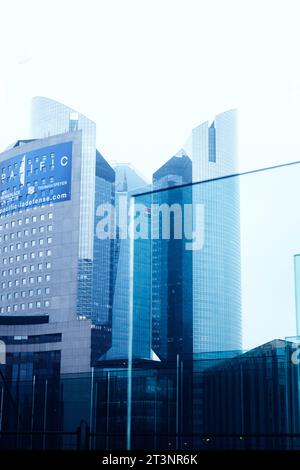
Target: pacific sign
[35,178]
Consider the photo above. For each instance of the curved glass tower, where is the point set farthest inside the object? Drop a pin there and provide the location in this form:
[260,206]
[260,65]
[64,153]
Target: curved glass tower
[49,117]
[97,186]
[216,267]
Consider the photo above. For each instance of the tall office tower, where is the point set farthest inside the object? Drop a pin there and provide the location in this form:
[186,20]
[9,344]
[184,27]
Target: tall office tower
[128,182]
[95,257]
[39,238]
[216,266]
[172,317]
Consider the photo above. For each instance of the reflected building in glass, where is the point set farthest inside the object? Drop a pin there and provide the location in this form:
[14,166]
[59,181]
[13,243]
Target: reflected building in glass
[128,182]
[171,280]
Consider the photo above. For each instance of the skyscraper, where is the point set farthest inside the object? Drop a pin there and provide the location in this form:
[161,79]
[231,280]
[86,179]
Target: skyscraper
[39,234]
[127,182]
[216,266]
[57,285]
[172,267]
[95,257]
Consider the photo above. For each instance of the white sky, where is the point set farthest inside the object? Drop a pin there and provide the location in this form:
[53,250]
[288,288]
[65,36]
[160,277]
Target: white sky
[148,71]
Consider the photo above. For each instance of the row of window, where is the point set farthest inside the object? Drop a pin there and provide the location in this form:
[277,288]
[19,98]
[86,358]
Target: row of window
[26,232]
[26,256]
[25,269]
[18,246]
[27,220]
[24,306]
[23,294]
[23,282]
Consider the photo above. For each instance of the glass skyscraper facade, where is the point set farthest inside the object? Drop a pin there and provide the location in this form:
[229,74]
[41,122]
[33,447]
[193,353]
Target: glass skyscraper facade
[216,266]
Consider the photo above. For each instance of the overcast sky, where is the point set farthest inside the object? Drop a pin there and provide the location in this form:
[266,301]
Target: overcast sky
[148,71]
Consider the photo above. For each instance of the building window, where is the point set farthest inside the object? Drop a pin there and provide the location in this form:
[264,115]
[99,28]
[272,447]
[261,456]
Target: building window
[212,144]
[47,303]
[38,304]
[49,240]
